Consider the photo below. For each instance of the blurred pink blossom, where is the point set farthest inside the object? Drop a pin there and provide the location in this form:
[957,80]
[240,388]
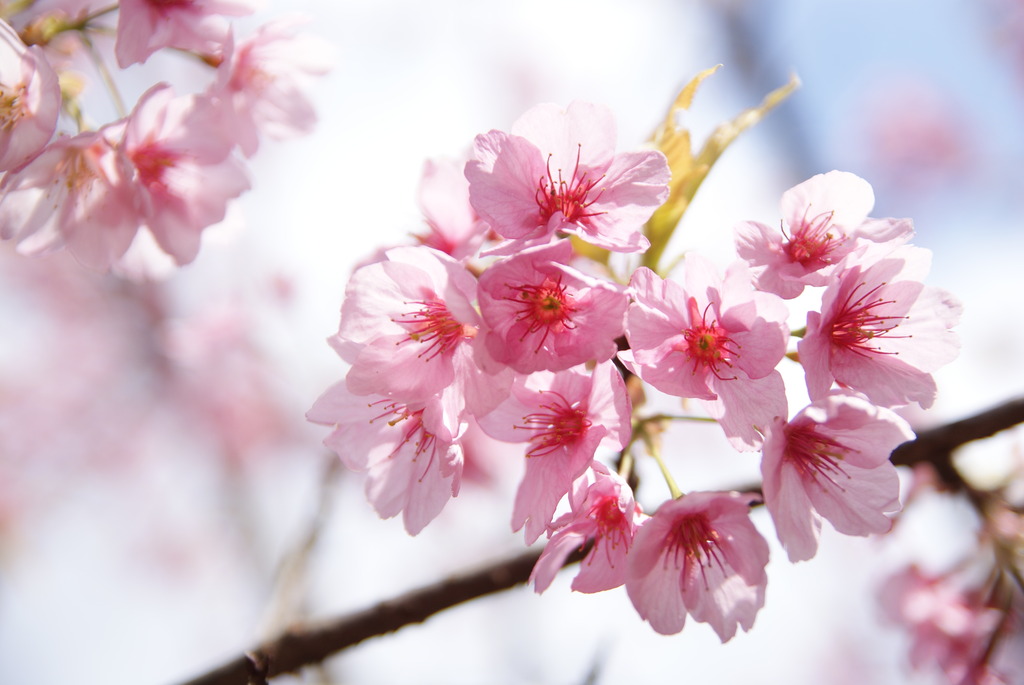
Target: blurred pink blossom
[75,194]
[30,100]
[184,174]
[443,196]
[264,83]
[145,26]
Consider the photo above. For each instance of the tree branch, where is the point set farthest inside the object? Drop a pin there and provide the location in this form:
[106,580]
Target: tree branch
[311,644]
[935,445]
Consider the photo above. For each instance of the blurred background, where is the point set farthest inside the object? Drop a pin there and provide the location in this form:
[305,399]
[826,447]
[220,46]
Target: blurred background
[164,504]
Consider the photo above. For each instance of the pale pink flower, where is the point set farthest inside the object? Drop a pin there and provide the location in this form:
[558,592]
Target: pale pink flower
[220,382]
[145,26]
[410,452]
[544,314]
[409,329]
[831,461]
[443,196]
[713,339]
[950,624]
[557,173]
[699,555]
[825,217]
[73,195]
[264,82]
[604,512]
[881,331]
[30,100]
[566,417]
[184,173]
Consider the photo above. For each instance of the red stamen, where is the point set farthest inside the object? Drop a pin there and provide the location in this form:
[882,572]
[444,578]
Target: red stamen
[814,241]
[708,344]
[434,324]
[423,441]
[570,198]
[545,307]
[558,424]
[856,325]
[694,544]
[815,455]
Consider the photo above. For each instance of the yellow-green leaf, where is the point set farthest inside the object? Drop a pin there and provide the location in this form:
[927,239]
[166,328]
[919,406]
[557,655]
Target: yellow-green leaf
[689,171]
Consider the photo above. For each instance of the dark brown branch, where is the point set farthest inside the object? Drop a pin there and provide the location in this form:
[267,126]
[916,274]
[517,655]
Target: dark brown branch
[312,644]
[935,446]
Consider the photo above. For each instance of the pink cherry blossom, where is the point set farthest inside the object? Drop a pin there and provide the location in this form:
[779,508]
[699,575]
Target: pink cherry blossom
[145,26]
[74,195]
[264,82]
[557,173]
[410,452]
[881,331]
[544,314]
[443,195]
[30,100]
[184,173]
[713,339]
[831,461]
[606,514]
[826,216]
[699,555]
[565,417]
[950,624]
[409,329]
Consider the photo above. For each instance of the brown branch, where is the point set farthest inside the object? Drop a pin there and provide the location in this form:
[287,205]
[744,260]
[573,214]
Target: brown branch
[935,446]
[311,644]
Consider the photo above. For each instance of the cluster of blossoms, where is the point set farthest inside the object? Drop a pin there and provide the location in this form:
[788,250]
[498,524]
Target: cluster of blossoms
[956,626]
[497,321]
[168,169]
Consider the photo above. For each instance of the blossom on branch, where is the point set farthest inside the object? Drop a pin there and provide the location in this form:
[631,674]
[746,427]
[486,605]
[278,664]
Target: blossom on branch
[881,331]
[76,194]
[825,218]
[951,624]
[603,510]
[410,451]
[831,461]
[565,417]
[713,339]
[443,197]
[556,173]
[409,329]
[185,175]
[544,314]
[30,100]
[263,84]
[145,26]
[699,555]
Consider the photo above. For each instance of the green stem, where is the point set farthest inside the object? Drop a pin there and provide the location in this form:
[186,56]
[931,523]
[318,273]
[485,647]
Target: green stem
[653,450]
